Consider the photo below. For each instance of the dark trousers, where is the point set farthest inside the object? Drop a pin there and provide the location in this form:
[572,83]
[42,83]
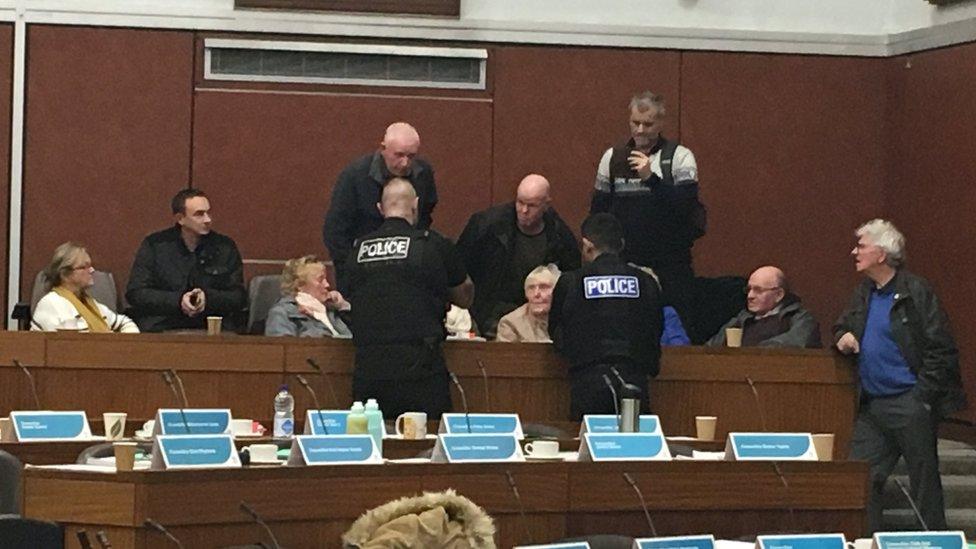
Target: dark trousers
[589,393]
[887,428]
[403,378]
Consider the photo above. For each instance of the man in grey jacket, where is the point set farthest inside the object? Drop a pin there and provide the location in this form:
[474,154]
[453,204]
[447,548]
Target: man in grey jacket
[908,368]
[773,316]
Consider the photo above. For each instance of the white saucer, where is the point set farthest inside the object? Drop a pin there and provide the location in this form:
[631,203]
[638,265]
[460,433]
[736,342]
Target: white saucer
[544,458]
[249,435]
[272,462]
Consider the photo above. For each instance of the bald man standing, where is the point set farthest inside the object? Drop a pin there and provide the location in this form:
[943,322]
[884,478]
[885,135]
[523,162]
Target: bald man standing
[503,244]
[400,281]
[773,316]
[352,210]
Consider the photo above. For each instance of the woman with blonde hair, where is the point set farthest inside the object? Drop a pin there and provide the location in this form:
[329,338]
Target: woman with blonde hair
[67,304]
[309,305]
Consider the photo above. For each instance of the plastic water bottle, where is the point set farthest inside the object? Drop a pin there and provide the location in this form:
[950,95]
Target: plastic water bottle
[374,423]
[356,420]
[284,418]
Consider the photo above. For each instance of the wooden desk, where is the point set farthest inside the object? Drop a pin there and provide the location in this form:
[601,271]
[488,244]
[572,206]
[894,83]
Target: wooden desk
[801,390]
[313,506]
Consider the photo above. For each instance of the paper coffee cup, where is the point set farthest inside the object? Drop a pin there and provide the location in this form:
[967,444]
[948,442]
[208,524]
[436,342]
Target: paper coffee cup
[6,429]
[705,427]
[125,455]
[214,324]
[824,444]
[733,337]
[114,425]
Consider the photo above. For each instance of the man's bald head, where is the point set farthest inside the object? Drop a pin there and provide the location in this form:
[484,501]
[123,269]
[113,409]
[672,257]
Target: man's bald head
[400,145]
[531,202]
[399,200]
[767,287]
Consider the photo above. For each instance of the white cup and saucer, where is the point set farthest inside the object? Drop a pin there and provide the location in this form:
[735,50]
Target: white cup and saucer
[264,454]
[243,428]
[542,450]
[146,433]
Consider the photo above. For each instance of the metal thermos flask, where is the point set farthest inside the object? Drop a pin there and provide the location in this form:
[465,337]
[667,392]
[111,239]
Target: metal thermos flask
[629,415]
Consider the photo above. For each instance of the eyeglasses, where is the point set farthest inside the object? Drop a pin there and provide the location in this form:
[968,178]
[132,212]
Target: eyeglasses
[759,289]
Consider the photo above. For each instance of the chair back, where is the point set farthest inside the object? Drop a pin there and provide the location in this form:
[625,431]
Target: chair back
[262,293]
[23,532]
[10,468]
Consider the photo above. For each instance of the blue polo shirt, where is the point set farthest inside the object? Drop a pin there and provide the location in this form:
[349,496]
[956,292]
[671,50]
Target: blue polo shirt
[883,370]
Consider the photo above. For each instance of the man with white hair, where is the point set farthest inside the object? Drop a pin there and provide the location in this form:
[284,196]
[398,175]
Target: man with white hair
[530,322]
[352,210]
[908,366]
[502,244]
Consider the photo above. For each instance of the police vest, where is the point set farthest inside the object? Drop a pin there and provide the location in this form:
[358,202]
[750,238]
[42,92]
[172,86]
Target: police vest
[397,297]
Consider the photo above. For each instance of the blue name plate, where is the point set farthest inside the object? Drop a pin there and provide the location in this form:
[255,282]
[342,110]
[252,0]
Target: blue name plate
[679,542]
[198,421]
[38,426]
[465,448]
[624,447]
[331,422]
[599,287]
[808,541]
[333,450]
[608,424]
[194,452]
[919,540]
[770,446]
[577,545]
[482,424]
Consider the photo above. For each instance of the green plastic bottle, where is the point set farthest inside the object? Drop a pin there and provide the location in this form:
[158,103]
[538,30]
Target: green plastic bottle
[356,423]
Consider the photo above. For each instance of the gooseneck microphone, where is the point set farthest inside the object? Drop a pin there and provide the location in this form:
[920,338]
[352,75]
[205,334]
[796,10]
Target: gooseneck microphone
[640,496]
[328,380]
[918,514]
[249,511]
[179,382]
[464,399]
[623,383]
[33,384]
[521,506]
[318,407]
[83,539]
[787,494]
[153,525]
[613,391]
[484,377]
[759,404]
[171,383]
[103,539]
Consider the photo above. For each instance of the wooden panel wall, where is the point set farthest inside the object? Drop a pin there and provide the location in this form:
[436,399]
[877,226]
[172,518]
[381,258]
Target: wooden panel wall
[6,78]
[932,196]
[107,140]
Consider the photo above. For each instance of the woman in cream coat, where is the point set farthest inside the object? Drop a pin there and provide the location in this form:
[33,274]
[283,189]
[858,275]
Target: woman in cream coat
[67,306]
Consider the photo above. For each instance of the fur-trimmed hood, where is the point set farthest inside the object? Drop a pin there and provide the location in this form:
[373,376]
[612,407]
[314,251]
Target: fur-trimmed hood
[434,520]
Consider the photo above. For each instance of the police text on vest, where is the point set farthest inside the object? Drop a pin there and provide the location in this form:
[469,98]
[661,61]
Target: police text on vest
[598,287]
[383,249]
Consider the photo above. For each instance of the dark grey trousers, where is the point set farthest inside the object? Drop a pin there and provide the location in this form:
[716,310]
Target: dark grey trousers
[887,428]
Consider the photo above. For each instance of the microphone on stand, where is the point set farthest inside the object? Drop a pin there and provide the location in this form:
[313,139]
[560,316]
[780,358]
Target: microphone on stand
[168,378]
[83,539]
[103,539]
[616,407]
[328,381]
[789,498]
[249,511]
[521,506]
[153,525]
[640,496]
[179,381]
[315,399]
[30,378]
[464,399]
[918,515]
[759,404]
[484,376]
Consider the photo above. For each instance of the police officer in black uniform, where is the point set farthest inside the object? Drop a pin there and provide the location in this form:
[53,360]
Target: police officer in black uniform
[606,315]
[400,282]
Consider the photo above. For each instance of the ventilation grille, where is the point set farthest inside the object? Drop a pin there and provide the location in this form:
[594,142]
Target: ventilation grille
[352,64]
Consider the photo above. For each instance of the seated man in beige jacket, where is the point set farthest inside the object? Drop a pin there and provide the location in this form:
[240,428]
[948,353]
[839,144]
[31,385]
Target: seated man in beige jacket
[529,323]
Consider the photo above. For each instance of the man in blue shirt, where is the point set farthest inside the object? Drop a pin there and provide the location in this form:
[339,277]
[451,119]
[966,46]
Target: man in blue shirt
[908,366]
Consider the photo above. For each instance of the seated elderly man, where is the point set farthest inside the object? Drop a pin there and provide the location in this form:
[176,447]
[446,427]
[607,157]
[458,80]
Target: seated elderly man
[309,305]
[773,316]
[530,322]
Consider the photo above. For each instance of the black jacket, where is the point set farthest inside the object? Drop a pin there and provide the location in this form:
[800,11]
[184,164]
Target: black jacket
[164,269]
[804,330]
[487,246]
[352,210]
[607,330]
[920,328]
